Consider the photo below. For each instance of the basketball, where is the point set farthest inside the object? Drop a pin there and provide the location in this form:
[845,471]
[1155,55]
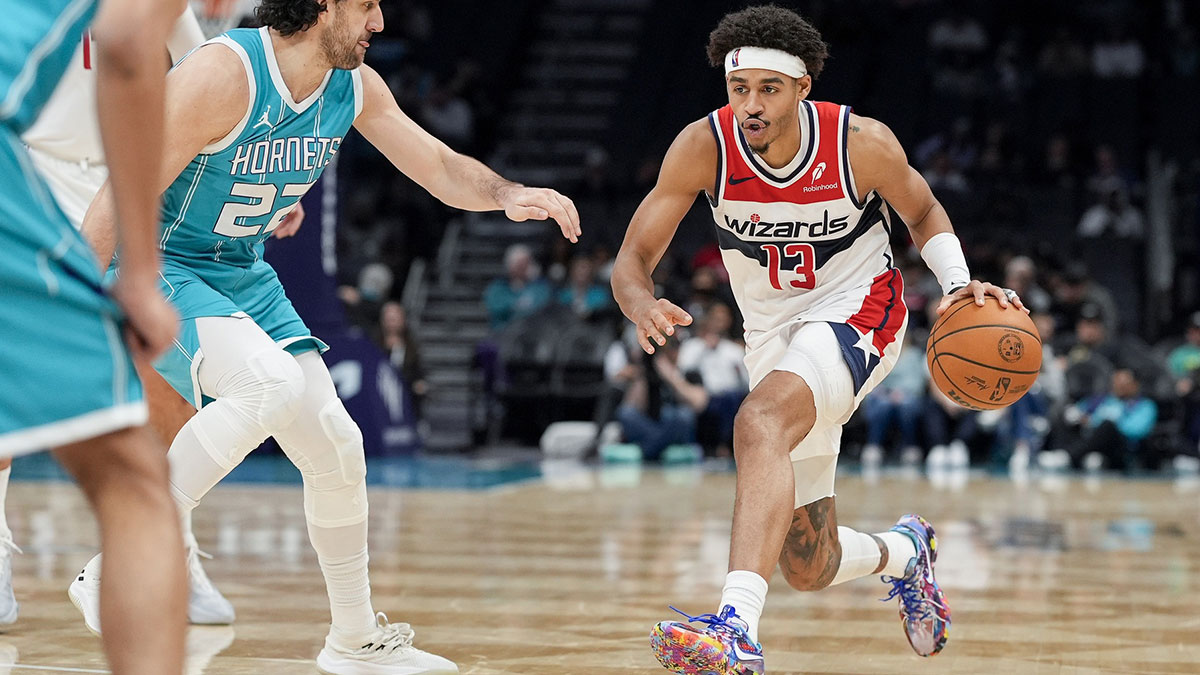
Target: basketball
[986,357]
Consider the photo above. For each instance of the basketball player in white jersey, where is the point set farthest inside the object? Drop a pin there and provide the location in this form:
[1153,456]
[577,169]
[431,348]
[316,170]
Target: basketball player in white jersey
[65,146]
[805,196]
[247,112]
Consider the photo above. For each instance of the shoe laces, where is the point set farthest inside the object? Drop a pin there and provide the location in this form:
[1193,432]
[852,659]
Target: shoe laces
[394,635]
[721,623]
[195,570]
[912,596]
[9,547]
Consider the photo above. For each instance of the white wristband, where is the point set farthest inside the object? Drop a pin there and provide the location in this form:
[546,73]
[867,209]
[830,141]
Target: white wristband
[944,255]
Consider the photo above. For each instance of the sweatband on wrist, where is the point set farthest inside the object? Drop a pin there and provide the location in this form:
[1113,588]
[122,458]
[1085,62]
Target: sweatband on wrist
[745,58]
[944,255]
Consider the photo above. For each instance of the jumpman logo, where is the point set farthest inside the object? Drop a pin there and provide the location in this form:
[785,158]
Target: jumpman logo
[265,119]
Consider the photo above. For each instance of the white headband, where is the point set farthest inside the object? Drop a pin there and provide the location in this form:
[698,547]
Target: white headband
[744,58]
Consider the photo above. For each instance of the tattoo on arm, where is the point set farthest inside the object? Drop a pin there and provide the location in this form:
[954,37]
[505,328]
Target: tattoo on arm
[854,128]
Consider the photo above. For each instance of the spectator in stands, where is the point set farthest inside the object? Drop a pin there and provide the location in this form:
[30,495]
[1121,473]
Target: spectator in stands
[519,295]
[716,363]
[1093,337]
[1118,55]
[1184,53]
[363,302]
[1058,165]
[403,351]
[1113,425]
[586,297]
[449,117]
[1028,419]
[1108,175]
[659,405]
[1064,57]
[959,143]
[1112,217]
[957,32]
[1184,364]
[943,176]
[1020,274]
[1075,288]
[897,404]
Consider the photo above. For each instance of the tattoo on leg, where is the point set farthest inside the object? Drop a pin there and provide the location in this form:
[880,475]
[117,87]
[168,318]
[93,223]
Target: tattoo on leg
[811,552]
[883,554]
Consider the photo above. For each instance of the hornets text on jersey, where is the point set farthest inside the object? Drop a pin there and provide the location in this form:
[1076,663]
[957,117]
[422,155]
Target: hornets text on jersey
[233,195]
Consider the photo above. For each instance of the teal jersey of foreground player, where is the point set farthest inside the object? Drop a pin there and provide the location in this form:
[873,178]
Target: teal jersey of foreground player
[37,40]
[233,195]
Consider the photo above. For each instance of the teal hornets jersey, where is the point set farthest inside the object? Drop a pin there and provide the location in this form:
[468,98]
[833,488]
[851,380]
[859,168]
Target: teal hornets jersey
[233,195]
[37,40]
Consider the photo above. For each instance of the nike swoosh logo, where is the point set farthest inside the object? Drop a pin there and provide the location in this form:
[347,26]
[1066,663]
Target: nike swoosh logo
[735,181]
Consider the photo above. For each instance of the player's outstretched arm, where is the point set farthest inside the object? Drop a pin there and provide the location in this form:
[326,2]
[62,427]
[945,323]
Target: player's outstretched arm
[688,169]
[206,97]
[879,164]
[455,179]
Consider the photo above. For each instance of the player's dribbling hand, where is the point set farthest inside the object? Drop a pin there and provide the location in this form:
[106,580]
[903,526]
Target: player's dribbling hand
[290,224]
[151,323]
[656,322]
[980,290]
[524,203]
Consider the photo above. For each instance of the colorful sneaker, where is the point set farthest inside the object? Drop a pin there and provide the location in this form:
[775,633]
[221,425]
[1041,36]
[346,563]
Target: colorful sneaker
[722,648]
[923,608]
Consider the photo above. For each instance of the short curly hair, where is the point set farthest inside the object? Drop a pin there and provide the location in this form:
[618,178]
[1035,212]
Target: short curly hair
[769,27]
[289,16]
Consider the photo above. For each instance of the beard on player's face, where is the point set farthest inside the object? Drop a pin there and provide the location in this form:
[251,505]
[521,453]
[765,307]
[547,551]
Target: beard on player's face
[340,44]
[773,127]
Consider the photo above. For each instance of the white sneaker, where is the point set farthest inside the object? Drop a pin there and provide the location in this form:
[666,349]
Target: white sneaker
[936,459]
[911,456]
[1054,460]
[1018,463]
[1093,462]
[872,456]
[1186,464]
[957,455]
[206,605]
[388,652]
[8,602]
[84,592]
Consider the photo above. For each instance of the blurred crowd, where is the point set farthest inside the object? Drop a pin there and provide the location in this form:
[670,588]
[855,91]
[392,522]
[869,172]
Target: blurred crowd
[1033,134]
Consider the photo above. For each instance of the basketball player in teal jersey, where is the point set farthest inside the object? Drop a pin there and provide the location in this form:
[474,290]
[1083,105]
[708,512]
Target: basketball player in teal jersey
[252,119]
[66,376]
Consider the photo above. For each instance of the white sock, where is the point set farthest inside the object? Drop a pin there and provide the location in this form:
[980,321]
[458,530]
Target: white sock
[901,550]
[342,554]
[5,533]
[185,524]
[860,555]
[747,593]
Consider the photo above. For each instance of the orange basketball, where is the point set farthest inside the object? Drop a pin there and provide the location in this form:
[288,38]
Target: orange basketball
[984,358]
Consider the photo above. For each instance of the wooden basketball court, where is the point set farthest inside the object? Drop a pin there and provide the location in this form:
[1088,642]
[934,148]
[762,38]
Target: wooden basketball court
[566,573]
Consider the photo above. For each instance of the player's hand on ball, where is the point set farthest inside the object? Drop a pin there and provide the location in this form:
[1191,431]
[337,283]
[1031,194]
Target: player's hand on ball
[656,322]
[524,203]
[151,323]
[291,223]
[980,290]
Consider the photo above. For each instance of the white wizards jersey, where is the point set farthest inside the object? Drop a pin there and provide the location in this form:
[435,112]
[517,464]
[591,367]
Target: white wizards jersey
[68,127]
[798,244]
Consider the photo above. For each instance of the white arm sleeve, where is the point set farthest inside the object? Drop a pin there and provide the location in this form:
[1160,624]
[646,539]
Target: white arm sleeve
[185,36]
[944,255]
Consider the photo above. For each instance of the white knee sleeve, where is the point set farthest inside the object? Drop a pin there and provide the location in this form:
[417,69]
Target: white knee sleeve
[274,388]
[335,484]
